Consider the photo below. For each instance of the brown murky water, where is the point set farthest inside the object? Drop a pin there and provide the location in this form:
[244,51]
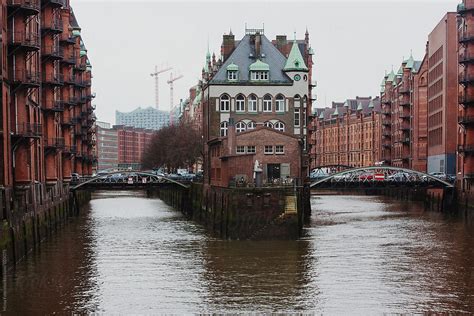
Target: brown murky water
[361,255]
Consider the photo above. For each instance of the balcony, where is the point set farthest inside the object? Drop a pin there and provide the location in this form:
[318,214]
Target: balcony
[465,79]
[53,79]
[52,52]
[69,79]
[386,122]
[76,120]
[53,106]
[386,112]
[466,149]
[405,127]
[387,145]
[28,7]
[405,140]
[26,78]
[463,9]
[54,26]
[387,134]
[54,143]
[466,120]
[466,58]
[404,90]
[68,58]
[405,103]
[66,123]
[72,100]
[385,101]
[28,130]
[465,100]
[80,67]
[404,116]
[29,41]
[55,3]
[466,38]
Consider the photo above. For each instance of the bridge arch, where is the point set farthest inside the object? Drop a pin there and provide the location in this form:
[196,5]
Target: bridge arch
[151,178]
[350,174]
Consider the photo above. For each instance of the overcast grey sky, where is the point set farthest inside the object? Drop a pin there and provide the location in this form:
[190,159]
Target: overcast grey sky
[354,42]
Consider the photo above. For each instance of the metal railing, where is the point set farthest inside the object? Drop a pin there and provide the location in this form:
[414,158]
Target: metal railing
[53,51]
[465,148]
[466,119]
[54,105]
[54,143]
[26,39]
[33,5]
[55,25]
[465,78]
[463,99]
[27,77]
[28,129]
[53,78]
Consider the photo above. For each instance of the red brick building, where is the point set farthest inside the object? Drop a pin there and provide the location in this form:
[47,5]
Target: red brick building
[262,91]
[465,158]
[443,91]
[347,134]
[47,116]
[404,106]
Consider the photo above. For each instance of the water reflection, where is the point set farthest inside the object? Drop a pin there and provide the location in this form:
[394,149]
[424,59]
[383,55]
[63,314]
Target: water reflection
[129,254]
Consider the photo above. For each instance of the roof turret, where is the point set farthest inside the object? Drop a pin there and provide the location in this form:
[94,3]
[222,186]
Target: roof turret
[295,61]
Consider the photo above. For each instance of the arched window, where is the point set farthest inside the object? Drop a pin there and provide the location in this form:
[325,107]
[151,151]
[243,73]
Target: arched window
[224,128]
[279,126]
[267,103]
[251,125]
[280,103]
[225,103]
[268,124]
[240,127]
[240,103]
[252,103]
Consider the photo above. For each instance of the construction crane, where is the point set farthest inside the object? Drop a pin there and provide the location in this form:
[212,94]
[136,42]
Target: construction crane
[170,82]
[157,87]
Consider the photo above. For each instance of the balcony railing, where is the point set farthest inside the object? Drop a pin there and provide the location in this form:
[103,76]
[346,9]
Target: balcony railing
[467,119]
[57,143]
[405,103]
[68,57]
[406,140]
[466,58]
[54,106]
[387,134]
[28,130]
[386,122]
[27,40]
[52,51]
[465,100]
[463,8]
[466,79]
[53,79]
[466,149]
[30,7]
[404,90]
[386,112]
[26,78]
[405,127]
[52,25]
[80,67]
[466,38]
[56,3]
[385,101]
[404,116]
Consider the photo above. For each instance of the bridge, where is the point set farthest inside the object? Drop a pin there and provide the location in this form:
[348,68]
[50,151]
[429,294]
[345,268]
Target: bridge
[378,176]
[126,180]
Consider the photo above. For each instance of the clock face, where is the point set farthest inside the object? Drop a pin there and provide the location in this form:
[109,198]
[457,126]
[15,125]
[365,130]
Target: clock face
[297,77]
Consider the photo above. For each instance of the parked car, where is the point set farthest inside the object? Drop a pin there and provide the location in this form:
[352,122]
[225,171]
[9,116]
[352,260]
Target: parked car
[318,175]
[399,176]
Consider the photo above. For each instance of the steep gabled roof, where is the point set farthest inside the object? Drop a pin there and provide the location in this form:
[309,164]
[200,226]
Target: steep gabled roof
[295,61]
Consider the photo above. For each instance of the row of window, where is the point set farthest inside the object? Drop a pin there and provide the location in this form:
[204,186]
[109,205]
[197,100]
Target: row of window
[252,103]
[242,127]
[254,75]
[267,150]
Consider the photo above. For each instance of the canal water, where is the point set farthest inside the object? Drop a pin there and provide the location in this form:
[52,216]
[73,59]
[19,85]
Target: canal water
[360,255]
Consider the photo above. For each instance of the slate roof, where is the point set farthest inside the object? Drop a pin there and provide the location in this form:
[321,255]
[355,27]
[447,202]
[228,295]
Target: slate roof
[338,109]
[241,57]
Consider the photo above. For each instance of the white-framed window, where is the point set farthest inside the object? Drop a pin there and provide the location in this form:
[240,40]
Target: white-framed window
[251,125]
[268,124]
[252,103]
[259,75]
[267,103]
[231,75]
[225,103]
[251,150]
[224,128]
[241,149]
[279,126]
[280,103]
[240,127]
[240,103]
[279,150]
[268,150]
[297,117]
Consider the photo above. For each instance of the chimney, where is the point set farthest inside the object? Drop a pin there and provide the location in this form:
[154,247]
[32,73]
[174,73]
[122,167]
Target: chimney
[231,137]
[258,44]
[228,45]
[281,44]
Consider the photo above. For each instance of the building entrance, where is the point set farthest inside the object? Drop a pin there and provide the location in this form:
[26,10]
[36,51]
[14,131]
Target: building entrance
[273,172]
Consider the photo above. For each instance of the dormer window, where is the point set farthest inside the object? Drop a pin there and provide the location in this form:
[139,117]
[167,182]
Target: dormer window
[259,71]
[232,72]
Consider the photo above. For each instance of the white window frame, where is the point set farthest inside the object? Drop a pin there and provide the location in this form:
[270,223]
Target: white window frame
[240,103]
[297,117]
[253,104]
[279,126]
[224,128]
[232,75]
[267,104]
[240,150]
[259,75]
[268,124]
[279,152]
[280,104]
[266,150]
[224,103]
[240,127]
[251,125]
[251,149]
